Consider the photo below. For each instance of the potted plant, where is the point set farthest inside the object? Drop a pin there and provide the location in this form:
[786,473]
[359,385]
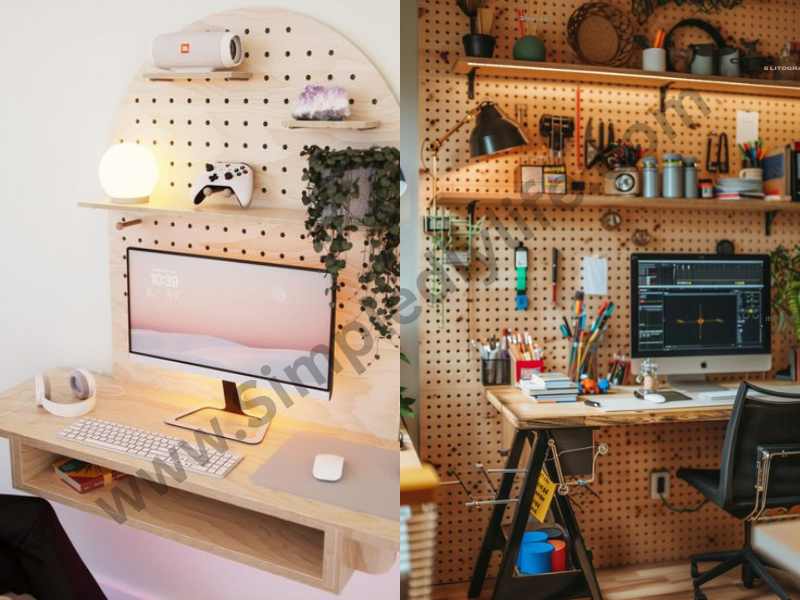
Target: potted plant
[785,266]
[478,42]
[335,181]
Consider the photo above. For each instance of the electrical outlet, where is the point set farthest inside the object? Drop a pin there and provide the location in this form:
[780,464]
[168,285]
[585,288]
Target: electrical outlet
[659,484]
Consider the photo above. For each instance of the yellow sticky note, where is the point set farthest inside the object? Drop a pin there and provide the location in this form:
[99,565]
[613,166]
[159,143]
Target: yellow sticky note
[542,497]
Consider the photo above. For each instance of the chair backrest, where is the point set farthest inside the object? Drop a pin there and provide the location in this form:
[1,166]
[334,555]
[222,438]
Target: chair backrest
[760,417]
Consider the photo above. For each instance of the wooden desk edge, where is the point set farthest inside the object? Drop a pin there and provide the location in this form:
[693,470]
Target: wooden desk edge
[595,417]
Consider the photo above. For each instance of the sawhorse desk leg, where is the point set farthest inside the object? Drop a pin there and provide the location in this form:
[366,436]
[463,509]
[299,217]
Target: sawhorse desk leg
[579,583]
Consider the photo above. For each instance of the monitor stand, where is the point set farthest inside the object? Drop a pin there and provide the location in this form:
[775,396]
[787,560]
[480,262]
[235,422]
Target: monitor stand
[693,385]
[231,422]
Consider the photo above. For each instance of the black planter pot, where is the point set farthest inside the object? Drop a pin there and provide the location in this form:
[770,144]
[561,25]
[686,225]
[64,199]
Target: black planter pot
[479,45]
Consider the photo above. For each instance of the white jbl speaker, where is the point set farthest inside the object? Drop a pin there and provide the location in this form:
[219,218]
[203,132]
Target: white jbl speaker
[197,51]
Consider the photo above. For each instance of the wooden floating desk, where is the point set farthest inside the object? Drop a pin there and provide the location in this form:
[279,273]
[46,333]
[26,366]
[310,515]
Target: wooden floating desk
[299,538]
[522,413]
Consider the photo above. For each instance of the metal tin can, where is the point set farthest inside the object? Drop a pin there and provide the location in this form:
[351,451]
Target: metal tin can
[672,176]
[650,182]
[690,177]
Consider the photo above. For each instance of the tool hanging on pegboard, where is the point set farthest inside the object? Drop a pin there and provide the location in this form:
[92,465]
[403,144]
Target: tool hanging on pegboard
[556,129]
[521,265]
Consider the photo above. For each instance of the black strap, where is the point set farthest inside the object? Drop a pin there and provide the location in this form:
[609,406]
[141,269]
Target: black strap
[697,24]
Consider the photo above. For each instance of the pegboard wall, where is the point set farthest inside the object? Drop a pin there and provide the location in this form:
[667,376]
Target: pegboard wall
[458,427]
[189,123]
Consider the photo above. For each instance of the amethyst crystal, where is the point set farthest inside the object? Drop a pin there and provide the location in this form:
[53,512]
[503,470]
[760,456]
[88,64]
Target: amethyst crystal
[322,103]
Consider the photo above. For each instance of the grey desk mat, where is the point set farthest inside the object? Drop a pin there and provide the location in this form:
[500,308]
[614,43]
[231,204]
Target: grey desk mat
[370,480]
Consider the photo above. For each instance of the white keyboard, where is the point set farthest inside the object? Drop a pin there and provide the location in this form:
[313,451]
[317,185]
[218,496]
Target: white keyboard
[150,446]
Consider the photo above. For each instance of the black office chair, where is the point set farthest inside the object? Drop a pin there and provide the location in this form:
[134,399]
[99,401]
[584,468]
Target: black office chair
[764,425]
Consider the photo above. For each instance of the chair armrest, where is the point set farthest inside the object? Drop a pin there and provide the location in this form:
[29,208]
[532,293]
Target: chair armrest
[764,455]
[778,450]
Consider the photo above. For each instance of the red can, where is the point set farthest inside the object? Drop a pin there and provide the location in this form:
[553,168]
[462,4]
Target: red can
[558,559]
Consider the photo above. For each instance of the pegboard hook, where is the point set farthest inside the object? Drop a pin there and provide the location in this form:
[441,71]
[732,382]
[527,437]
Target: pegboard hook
[123,224]
[471,83]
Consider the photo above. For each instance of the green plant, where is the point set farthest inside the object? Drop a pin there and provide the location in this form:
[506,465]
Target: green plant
[332,185]
[786,287]
[406,402]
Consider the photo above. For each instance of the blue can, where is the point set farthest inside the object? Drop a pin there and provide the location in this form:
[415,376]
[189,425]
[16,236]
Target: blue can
[534,558]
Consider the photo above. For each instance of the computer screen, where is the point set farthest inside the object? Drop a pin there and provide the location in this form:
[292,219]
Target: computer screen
[696,305]
[232,317]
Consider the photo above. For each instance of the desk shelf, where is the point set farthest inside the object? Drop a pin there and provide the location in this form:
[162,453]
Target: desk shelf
[198,77]
[264,214]
[571,201]
[498,67]
[308,124]
[262,541]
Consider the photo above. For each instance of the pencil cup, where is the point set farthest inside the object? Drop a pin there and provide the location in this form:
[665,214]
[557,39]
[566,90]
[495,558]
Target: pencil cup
[495,371]
[753,173]
[654,59]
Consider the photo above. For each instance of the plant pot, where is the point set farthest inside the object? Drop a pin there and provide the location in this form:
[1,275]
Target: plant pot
[479,45]
[529,47]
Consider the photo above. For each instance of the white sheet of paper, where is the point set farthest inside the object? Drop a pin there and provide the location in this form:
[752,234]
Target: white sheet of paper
[746,126]
[595,275]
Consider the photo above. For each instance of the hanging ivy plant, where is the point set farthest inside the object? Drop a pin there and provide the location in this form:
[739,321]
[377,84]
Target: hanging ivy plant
[333,184]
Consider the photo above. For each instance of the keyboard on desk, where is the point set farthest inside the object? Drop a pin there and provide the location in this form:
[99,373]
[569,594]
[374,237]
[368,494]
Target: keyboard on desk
[150,446]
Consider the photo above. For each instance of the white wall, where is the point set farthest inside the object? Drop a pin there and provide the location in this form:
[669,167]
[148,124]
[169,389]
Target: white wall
[57,102]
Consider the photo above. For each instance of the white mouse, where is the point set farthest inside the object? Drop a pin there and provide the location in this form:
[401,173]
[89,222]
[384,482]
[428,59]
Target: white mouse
[328,467]
[658,398]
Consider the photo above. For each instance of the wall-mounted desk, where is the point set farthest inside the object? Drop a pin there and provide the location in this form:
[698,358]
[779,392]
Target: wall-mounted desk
[533,423]
[309,541]
[522,413]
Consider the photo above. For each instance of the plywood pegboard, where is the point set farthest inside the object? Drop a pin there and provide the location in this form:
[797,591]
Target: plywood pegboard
[188,123]
[458,427]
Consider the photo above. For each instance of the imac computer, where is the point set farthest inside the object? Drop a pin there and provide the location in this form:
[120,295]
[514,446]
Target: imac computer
[700,314]
[239,321]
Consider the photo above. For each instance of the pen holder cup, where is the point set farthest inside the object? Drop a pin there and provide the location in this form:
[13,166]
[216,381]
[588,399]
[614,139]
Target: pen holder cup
[495,371]
[524,368]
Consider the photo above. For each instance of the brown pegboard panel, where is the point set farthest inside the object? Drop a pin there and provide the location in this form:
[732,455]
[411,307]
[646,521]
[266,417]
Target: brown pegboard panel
[458,427]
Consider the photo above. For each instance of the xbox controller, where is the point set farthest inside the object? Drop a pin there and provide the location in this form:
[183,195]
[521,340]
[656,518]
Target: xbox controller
[233,178]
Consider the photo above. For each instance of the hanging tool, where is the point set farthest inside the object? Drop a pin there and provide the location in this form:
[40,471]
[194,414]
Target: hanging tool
[556,129]
[521,265]
[717,158]
[554,275]
[590,147]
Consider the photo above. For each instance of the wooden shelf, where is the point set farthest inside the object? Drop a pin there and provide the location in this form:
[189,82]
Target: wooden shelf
[264,214]
[598,201]
[358,125]
[260,540]
[613,75]
[189,77]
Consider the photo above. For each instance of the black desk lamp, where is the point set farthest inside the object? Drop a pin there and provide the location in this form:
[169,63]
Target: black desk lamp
[494,132]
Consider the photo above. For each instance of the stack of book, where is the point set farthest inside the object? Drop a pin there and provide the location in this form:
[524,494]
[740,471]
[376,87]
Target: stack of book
[550,388]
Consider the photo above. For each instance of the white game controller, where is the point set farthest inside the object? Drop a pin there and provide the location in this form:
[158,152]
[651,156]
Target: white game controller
[228,178]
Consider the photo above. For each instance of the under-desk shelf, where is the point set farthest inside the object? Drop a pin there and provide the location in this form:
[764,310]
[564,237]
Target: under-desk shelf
[260,540]
[198,77]
[264,214]
[309,124]
[499,67]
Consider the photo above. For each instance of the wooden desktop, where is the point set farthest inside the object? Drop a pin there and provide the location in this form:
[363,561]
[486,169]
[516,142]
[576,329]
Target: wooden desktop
[299,538]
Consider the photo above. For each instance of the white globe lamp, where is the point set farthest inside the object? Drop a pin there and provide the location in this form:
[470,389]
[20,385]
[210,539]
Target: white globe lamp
[128,173]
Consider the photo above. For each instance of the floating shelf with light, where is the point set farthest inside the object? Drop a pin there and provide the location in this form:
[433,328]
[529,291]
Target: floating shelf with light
[497,67]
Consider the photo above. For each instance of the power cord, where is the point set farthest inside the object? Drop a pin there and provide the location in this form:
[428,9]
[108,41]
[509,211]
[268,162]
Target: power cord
[681,509]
